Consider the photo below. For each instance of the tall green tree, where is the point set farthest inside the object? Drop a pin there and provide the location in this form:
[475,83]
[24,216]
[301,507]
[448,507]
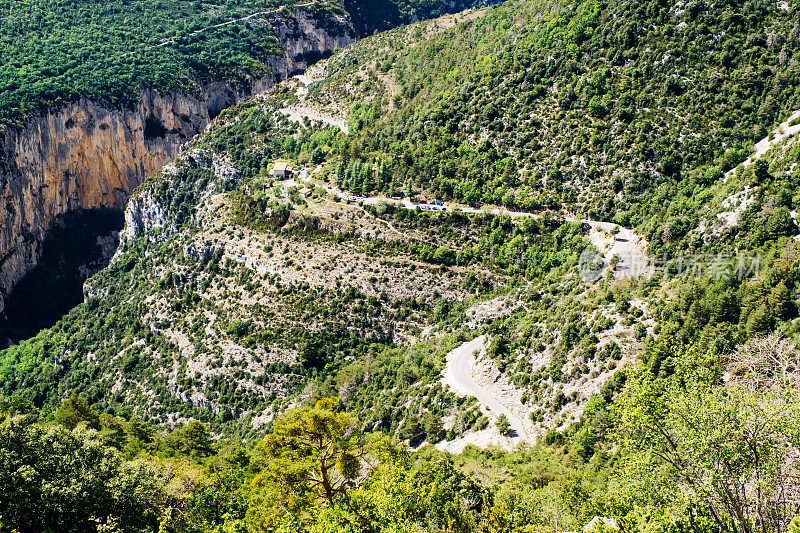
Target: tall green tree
[726,450]
[313,456]
[56,479]
[75,410]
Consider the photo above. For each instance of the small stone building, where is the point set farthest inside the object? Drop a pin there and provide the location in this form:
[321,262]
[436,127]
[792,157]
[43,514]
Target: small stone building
[282,171]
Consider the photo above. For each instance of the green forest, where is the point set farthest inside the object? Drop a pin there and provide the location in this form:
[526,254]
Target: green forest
[77,470]
[676,459]
[57,52]
[571,108]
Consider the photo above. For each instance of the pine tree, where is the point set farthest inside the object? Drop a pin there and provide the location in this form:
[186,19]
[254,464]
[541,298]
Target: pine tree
[340,175]
[407,188]
[368,184]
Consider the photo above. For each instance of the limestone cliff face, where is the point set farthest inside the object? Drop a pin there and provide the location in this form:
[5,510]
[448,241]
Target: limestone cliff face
[89,155]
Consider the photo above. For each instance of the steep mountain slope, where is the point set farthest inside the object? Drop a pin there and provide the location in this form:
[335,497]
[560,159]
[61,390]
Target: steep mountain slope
[90,155]
[236,294]
[232,303]
[102,103]
[610,109]
[58,52]
[426,276]
[490,126]
[226,306]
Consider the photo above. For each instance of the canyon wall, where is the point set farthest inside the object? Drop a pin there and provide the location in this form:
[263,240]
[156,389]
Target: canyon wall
[88,155]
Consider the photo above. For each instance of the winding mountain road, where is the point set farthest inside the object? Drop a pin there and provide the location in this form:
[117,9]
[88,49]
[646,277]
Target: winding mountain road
[629,247]
[458,375]
[614,240]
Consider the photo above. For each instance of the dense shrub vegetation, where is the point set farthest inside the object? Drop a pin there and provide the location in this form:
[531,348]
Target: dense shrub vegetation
[624,111]
[667,402]
[56,52]
[104,473]
[318,470]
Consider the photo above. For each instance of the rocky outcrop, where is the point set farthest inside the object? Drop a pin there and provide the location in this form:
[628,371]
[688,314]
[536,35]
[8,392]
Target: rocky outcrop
[143,215]
[90,155]
[148,214]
